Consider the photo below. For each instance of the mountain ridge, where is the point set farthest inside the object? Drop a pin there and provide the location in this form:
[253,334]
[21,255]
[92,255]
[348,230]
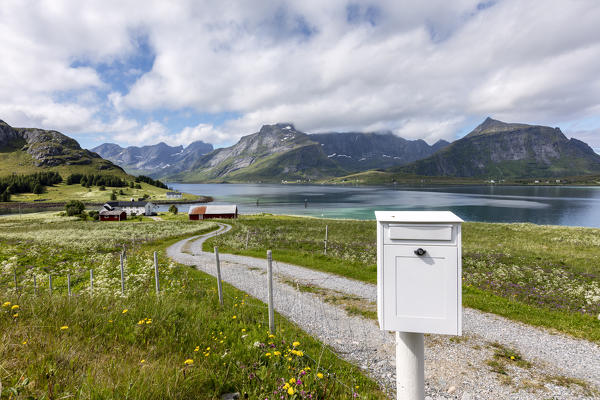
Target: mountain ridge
[508,150]
[29,150]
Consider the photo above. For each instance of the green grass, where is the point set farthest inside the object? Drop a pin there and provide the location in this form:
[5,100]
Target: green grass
[106,352]
[541,275]
[64,192]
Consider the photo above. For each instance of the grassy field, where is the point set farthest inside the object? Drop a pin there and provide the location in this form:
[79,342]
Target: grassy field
[179,345]
[63,192]
[542,275]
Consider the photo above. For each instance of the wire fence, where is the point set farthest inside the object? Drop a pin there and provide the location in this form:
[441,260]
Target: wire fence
[352,337]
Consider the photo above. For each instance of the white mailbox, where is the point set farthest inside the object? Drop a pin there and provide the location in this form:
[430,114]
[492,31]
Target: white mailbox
[419,271]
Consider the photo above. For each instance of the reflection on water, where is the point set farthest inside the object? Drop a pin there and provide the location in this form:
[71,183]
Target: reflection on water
[556,205]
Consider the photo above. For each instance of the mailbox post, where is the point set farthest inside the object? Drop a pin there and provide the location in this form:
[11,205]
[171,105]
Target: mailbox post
[418,286]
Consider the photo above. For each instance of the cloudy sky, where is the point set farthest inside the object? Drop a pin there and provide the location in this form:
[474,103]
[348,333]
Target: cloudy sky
[140,72]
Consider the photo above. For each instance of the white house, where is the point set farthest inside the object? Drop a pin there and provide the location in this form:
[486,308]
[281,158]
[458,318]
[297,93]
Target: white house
[174,195]
[131,207]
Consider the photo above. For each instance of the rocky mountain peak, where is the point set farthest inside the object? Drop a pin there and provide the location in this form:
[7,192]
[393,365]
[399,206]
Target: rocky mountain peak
[280,127]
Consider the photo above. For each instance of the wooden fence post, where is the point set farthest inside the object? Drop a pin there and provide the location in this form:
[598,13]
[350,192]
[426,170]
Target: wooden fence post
[326,237]
[270,289]
[219,284]
[156,273]
[122,276]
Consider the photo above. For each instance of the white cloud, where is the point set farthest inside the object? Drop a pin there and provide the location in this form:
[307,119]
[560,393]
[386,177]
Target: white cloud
[420,69]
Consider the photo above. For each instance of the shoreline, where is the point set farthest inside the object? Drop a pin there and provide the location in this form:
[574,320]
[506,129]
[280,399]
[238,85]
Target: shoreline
[27,207]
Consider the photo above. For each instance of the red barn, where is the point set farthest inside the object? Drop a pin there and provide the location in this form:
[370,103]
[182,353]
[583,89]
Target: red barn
[208,212]
[112,215]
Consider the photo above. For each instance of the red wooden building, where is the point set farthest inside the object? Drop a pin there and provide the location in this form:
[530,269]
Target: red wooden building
[208,212]
[113,215]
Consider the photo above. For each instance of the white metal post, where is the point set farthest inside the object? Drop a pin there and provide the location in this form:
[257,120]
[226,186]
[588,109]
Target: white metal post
[50,283]
[270,289]
[156,273]
[410,366]
[326,237]
[91,280]
[34,285]
[219,284]
[69,284]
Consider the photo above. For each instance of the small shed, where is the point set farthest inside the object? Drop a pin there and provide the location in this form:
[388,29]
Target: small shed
[208,212]
[113,215]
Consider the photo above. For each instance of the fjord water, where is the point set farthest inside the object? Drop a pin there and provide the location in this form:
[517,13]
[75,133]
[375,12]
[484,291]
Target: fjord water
[548,205]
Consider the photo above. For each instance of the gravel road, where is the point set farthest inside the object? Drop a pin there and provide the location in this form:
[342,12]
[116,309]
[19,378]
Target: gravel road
[559,366]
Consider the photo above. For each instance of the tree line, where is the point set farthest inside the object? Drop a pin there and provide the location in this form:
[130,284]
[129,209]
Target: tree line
[89,180]
[150,181]
[32,183]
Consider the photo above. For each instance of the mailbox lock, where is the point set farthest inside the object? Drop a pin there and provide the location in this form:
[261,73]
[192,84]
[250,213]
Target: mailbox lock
[420,251]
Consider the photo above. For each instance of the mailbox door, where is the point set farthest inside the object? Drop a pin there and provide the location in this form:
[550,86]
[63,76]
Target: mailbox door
[420,292]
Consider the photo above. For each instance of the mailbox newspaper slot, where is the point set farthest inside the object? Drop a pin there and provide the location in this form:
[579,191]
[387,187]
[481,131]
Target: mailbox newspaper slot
[419,271]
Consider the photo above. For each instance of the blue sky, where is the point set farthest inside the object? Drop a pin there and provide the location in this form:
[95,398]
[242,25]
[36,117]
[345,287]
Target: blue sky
[140,72]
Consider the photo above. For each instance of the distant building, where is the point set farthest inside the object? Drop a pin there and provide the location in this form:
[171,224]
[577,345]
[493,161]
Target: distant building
[174,195]
[113,215]
[208,212]
[131,207]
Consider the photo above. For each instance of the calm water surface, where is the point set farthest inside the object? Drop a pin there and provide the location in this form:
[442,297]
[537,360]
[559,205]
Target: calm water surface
[550,205]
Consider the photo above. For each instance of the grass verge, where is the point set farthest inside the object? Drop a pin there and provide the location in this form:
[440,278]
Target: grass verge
[545,276]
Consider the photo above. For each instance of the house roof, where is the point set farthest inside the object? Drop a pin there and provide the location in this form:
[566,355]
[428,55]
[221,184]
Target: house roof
[173,194]
[113,204]
[211,210]
[111,212]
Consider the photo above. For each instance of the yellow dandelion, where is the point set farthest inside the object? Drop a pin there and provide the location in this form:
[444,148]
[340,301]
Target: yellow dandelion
[16,315]
[197,348]
[149,321]
[141,322]
[291,391]
[24,342]
[206,354]
[6,304]
[142,361]
[277,353]
[64,328]
[271,336]
[243,329]
[110,320]
[234,317]
[319,375]
[268,354]
[296,344]
[356,387]
[292,380]
[125,311]
[16,306]
[189,361]
[289,358]
[512,357]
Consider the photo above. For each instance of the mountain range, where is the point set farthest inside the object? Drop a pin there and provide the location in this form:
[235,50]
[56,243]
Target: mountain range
[154,160]
[274,153]
[279,152]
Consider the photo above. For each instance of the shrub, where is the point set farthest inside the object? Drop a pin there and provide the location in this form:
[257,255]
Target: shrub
[173,209]
[74,207]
